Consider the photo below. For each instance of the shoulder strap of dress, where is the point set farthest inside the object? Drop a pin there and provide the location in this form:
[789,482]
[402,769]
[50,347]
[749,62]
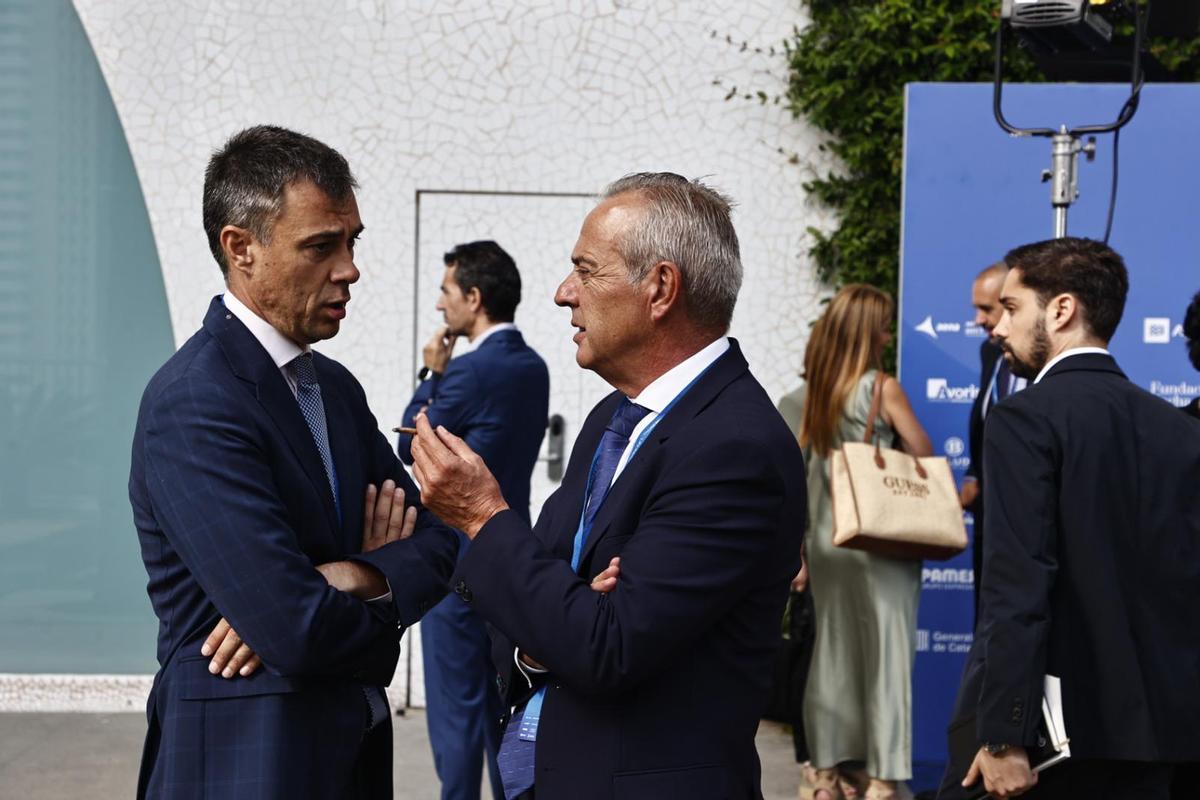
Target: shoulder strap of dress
[876,400]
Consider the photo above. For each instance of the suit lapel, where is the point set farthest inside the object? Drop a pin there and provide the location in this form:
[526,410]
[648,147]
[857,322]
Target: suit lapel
[557,529]
[250,362]
[342,440]
[723,371]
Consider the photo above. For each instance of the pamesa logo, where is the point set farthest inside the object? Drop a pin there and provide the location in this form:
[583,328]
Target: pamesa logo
[939,390]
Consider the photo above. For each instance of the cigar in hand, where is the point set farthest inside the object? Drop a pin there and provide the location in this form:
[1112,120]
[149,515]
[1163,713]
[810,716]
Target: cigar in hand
[409,431]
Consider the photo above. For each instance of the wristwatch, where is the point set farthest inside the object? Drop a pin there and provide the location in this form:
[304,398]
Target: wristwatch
[425,372]
[995,749]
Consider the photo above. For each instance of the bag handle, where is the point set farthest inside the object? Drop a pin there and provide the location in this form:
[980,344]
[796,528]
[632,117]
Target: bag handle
[876,401]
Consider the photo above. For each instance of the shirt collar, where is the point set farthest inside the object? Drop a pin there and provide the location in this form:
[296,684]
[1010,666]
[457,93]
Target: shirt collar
[470,347]
[281,349]
[1073,351]
[663,389]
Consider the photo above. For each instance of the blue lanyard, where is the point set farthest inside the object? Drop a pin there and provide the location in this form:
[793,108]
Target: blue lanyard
[577,551]
[531,715]
[995,392]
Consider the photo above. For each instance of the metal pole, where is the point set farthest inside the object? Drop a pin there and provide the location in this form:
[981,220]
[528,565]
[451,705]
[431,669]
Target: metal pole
[1063,175]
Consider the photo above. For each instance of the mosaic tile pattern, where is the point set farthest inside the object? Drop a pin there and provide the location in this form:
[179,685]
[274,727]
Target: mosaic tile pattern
[533,96]
[90,693]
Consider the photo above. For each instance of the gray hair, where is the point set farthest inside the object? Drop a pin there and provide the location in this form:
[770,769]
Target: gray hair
[690,224]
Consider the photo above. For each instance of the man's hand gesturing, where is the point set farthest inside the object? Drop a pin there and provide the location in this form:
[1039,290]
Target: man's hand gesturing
[455,483]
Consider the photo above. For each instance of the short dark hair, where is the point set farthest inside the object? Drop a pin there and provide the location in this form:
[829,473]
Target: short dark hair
[1191,329]
[245,181]
[485,266]
[1091,271]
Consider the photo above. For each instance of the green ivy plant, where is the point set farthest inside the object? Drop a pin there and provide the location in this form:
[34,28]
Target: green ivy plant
[847,71]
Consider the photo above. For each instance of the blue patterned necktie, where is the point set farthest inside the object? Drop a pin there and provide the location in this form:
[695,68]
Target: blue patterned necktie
[515,758]
[608,455]
[308,395]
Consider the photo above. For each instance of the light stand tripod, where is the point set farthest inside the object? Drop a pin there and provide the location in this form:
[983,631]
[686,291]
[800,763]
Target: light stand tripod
[1066,146]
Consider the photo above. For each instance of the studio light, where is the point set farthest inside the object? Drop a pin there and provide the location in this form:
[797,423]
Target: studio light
[1055,26]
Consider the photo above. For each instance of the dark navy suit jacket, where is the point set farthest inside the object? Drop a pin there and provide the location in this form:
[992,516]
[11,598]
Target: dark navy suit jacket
[1093,568]
[476,399]
[989,353]
[655,689]
[233,512]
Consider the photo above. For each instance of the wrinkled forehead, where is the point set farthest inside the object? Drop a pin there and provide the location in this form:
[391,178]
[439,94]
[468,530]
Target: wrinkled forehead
[305,205]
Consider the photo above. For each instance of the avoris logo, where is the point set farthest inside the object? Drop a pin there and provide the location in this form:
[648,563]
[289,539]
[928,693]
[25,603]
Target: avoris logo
[939,390]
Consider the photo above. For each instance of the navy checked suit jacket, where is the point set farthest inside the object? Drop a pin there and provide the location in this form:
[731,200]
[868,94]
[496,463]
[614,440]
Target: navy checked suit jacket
[497,398]
[655,689]
[233,511]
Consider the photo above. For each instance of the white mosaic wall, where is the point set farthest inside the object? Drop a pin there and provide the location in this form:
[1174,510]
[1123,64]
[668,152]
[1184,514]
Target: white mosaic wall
[521,97]
[558,96]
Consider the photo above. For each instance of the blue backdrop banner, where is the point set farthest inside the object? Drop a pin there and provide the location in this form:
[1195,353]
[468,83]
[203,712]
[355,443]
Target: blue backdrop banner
[971,193]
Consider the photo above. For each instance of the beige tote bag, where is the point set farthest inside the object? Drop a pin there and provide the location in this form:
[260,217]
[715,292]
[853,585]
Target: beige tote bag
[892,503]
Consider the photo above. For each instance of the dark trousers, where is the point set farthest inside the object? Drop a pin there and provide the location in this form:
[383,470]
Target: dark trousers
[1087,780]
[462,704]
[1104,780]
[977,548]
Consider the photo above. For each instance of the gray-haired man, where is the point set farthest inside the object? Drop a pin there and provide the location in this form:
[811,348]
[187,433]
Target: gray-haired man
[689,476]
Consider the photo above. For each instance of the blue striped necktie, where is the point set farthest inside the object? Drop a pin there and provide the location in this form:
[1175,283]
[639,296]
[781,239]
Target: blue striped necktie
[515,758]
[308,395]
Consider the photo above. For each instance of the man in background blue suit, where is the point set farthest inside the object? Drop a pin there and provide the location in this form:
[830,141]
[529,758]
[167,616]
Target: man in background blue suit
[495,396]
[270,510]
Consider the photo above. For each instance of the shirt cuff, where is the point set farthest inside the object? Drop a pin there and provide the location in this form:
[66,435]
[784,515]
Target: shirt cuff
[526,670]
[386,597]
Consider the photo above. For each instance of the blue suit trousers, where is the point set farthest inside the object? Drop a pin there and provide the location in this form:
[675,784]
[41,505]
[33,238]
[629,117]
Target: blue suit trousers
[462,704]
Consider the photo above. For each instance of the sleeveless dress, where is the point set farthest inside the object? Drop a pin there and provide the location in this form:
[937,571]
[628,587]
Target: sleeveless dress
[858,701]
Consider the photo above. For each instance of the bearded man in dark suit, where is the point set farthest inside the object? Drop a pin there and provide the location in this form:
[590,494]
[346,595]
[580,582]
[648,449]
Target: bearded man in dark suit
[1092,550]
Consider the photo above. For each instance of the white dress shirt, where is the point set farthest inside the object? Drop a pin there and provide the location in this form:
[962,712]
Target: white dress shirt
[1074,351]
[665,388]
[470,347]
[281,349]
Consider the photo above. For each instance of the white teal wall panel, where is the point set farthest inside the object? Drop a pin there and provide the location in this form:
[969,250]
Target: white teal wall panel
[504,96]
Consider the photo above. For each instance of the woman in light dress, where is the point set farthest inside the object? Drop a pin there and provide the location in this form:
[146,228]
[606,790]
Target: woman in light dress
[858,702]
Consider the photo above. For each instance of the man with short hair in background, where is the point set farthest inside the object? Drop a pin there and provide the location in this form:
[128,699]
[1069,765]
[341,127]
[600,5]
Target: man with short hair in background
[495,395]
[686,474]
[270,510]
[1092,550]
[996,382]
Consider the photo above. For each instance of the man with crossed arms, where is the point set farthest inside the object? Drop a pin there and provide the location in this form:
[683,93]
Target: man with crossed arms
[251,460]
